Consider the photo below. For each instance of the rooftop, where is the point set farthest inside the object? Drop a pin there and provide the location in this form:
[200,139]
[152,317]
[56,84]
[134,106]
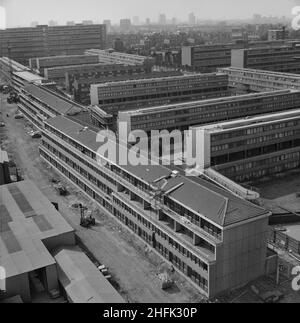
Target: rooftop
[81,279]
[29,76]
[293,231]
[17,67]
[272,47]
[62,56]
[27,218]
[250,121]
[163,79]
[201,197]
[208,102]
[55,101]
[116,54]
[83,66]
[255,71]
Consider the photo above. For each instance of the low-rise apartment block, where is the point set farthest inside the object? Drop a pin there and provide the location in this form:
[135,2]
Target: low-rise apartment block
[62,74]
[39,103]
[248,149]
[278,34]
[275,58]
[17,74]
[42,63]
[213,238]
[79,84]
[259,80]
[207,58]
[118,96]
[182,115]
[112,57]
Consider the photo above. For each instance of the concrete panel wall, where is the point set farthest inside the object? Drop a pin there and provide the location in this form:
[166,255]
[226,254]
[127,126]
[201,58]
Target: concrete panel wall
[242,257]
[237,58]
[94,95]
[186,56]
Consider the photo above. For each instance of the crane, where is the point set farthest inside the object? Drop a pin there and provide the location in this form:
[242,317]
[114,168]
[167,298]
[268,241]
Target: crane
[159,192]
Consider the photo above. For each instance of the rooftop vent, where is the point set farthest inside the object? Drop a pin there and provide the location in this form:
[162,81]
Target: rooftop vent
[174,173]
[83,129]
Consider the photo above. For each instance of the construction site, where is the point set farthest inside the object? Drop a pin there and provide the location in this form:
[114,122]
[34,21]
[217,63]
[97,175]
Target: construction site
[78,226]
[137,272]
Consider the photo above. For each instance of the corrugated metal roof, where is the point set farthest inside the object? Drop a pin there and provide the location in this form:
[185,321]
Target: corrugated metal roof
[81,279]
[21,200]
[26,219]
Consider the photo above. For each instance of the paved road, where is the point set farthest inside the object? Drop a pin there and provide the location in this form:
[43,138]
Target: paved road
[124,255]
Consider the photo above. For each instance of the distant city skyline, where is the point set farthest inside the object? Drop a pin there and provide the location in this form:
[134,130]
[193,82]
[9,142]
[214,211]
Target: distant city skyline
[22,13]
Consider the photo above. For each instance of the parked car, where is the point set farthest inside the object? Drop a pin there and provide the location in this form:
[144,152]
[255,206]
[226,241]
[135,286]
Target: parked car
[36,135]
[19,116]
[2,124]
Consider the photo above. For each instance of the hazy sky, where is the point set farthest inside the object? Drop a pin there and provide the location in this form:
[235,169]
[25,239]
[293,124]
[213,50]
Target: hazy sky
[22,12]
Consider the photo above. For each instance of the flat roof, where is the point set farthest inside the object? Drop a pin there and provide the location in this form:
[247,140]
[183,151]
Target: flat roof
[52,99]
[17,67]
[208,200]
[82,66]
[82,280]
[61,56]
[29,77]
[161,79]
[293,231]
[26,219]
[269,47]
[250,121]
[116,54]
[257,71]
[191,104]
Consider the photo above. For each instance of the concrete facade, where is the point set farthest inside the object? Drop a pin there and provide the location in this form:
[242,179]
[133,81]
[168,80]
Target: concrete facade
[43,63]
[43,40]
[125,95]
[252,148]
[274,58]
[208,58]
[202,248]
[79,85]
[39,103]
[183,115]
[260,80]
[113,57]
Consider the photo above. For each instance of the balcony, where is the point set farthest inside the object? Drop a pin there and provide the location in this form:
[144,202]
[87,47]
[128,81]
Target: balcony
[166,225]
[156,204]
